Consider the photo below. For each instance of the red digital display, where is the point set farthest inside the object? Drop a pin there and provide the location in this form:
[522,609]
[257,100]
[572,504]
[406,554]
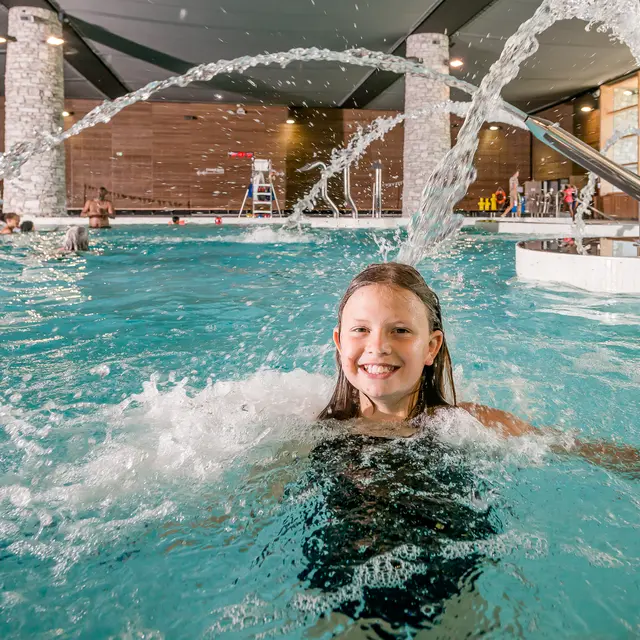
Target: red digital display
[241,154]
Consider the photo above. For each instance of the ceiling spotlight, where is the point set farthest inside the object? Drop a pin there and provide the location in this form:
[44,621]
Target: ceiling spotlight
[628,92]
[218,96]
[290,121]
[3,40]
[66,114]
[494,127]
[456,63]
[586,108]
[55,41]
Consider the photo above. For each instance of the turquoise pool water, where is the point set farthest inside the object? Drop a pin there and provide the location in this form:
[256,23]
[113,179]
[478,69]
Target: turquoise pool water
[157,399]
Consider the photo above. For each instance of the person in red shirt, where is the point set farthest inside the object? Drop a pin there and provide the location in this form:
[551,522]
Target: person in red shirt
[568,195]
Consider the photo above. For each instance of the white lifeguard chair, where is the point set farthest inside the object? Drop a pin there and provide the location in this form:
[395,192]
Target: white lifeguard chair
[261,190]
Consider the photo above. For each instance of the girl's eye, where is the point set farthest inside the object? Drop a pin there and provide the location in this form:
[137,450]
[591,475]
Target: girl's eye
[401,330]
[359,329]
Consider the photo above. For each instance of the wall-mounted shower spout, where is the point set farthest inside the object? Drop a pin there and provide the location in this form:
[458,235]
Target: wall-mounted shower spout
[347,191]
[324,191]
[581,153]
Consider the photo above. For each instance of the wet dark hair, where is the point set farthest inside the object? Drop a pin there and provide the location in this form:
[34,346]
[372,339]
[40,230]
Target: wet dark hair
[102,193]
[436,384]
[26,226]
[175,219]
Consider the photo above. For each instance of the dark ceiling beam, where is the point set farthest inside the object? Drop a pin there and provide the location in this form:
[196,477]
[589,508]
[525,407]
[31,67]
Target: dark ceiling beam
[79,54]
[448,16]
[238,85]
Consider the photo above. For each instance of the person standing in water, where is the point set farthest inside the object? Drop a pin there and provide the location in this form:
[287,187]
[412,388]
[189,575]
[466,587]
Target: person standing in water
[99,210]
[514,199]
[568,194]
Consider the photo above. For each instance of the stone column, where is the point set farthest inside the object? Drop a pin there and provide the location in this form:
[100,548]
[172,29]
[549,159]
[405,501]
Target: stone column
[427,139]
[34,101]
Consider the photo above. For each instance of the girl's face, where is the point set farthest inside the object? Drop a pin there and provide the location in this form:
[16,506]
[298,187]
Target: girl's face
[384,342]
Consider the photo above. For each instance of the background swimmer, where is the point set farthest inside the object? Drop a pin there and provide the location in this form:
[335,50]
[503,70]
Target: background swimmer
[99,210]
[12,221]
[76,239]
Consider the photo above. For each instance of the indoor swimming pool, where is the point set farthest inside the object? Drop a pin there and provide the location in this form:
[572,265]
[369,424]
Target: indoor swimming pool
[162,474]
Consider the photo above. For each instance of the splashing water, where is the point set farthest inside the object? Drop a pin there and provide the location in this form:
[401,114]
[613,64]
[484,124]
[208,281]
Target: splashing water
[434,219]
[364,137]
[451,179]
[11,161]
[587,192]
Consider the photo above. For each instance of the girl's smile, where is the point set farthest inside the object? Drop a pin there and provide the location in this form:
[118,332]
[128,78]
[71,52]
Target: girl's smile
[379,371]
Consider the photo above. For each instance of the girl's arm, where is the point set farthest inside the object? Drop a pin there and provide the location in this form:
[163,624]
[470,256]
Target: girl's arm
[621,458]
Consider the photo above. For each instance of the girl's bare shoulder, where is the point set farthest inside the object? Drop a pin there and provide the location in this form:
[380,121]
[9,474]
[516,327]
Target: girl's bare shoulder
[502,421]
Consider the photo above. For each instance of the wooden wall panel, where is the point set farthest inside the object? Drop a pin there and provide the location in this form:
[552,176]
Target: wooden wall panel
[132,149]
[620,205]
[586,126]
[172,168]
[151,157]
[547,163]
[155,155]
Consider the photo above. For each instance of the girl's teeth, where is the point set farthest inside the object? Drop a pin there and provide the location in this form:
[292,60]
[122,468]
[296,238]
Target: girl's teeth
[376,368]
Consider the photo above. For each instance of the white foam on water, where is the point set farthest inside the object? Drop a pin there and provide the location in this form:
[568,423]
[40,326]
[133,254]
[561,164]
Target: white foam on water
[162,435]
[165,435]
[268,235]
[166,439]
[598,558]
[459,428]
[157,442]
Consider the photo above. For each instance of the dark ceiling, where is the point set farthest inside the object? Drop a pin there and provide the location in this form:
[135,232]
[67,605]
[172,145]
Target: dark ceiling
[138,41]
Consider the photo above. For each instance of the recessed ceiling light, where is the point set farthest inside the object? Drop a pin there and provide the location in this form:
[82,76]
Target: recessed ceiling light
[290,121]
[494,127]
[218,96]
[66,114]
[3,40]
[55,41]
[586,108]
[455,63]
[628,92]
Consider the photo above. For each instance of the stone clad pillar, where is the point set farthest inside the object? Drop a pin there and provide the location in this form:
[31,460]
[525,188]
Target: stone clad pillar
[34,101]
[426,139]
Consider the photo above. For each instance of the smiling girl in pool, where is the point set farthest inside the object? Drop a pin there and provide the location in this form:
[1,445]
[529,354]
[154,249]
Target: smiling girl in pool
[394,366]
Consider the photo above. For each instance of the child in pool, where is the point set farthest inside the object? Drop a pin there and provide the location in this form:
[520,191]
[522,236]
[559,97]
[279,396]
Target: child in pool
[12,222]
[392,501]
[394,365]
[76,239]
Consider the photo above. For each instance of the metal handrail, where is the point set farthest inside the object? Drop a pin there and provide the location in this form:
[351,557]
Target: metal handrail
[324,189]
[347,192]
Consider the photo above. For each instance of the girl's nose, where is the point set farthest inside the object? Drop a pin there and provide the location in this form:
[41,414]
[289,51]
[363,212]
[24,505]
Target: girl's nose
[378,343]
